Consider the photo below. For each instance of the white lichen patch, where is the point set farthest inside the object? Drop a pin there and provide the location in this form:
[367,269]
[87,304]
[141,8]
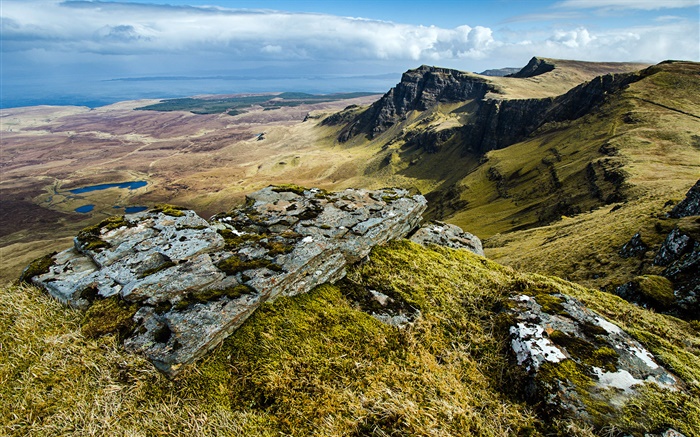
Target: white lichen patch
[612,329]
[622,379]
[645,356]
[532,347]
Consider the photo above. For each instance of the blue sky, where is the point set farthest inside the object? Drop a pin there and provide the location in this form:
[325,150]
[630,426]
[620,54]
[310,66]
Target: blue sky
[56,51]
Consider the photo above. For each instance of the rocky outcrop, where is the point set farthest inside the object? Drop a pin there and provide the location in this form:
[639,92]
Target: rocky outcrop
[680,254]
[444,234]
[688,206]
[188,283]
[534,67]
[419,90]
[575,359]
[676,244]
[634,247]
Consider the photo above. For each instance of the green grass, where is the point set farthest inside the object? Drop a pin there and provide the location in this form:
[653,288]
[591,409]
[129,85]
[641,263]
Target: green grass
[316,365]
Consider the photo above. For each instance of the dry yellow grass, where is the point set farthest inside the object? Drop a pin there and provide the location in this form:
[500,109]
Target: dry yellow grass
[316,365]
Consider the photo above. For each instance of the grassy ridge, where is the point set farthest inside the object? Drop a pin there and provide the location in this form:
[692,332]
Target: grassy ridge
[315,365]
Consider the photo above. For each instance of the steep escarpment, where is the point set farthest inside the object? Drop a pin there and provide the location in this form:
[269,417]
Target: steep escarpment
[496,122]
[418,90]
[500,123]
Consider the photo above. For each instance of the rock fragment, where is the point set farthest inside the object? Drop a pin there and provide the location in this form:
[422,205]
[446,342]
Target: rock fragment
[447,235]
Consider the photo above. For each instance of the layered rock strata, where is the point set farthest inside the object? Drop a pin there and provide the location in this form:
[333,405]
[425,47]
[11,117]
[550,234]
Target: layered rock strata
[191,282]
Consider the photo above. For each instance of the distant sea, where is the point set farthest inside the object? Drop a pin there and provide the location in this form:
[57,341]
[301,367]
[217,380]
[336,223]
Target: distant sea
[97,93]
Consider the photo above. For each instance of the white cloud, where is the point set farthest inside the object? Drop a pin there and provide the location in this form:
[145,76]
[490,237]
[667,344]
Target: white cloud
[132,28]
[195,35]
[648,5]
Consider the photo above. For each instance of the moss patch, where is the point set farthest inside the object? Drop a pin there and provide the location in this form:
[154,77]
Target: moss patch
[292,188]
[37,267]
[234,264]
[276,247]
[232,240]
[171,210]
[657,289]
[586,352]
[107,316]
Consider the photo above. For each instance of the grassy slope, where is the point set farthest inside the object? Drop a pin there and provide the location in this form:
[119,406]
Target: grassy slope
[658,148]
[315,365]
[648,132]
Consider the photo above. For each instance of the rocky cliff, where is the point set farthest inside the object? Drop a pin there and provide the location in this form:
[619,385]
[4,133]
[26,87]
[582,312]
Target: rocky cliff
[500,123]
[419,90]
[495,123]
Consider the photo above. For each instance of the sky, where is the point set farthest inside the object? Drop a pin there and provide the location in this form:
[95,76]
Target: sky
[97,52]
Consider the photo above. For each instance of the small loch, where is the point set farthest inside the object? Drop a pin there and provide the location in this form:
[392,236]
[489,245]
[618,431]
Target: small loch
[85,209]
[128,185]
[134,209]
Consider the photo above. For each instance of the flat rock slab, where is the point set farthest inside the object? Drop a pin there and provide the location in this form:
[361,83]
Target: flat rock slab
[575,358]
[194,281]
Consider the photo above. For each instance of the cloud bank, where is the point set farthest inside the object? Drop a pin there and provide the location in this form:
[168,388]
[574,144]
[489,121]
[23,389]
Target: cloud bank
[106,28]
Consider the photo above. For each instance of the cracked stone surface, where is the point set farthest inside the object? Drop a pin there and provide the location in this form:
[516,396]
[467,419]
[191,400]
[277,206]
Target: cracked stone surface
[196,281]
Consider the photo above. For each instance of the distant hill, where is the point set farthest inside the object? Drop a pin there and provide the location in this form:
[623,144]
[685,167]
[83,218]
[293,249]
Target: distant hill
[499,72]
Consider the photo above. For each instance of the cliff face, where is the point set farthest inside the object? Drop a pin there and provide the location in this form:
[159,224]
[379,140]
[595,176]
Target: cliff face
[500,123]
[496,123]
[419,89]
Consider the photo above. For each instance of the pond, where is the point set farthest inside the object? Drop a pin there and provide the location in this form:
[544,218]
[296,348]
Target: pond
[84,209]
[134,209]
[127,210]
[130,185]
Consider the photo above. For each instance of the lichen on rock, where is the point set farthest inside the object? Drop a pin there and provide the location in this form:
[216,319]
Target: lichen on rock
[578,363]
[187,283]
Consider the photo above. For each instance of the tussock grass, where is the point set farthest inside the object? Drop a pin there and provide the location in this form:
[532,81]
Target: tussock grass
[316,365]
[55,381]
